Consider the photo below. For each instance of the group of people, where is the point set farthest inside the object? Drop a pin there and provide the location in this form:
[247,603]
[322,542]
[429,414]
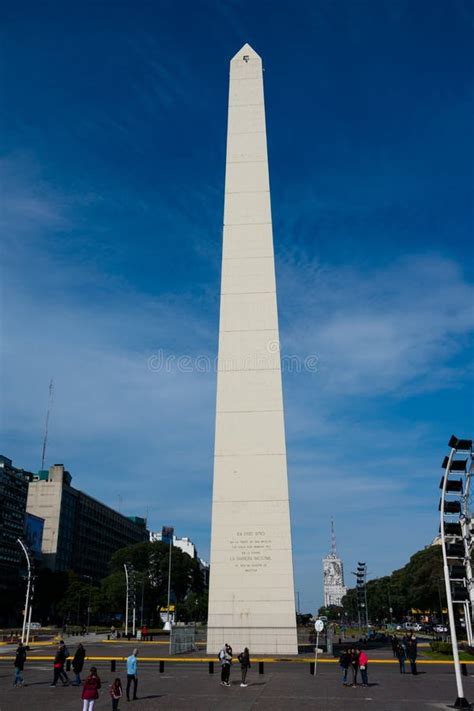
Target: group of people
[225,658]
[351,660]
[354,660]
[90,685]
[405,648]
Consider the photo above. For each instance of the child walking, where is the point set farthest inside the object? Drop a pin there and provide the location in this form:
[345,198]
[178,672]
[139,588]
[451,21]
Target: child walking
[116,693]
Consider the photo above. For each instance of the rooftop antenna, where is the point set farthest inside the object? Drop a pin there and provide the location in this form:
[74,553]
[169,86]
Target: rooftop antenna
[333,539]
[48,412]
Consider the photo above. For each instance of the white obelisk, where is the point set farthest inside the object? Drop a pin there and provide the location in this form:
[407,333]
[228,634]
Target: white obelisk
[251,595]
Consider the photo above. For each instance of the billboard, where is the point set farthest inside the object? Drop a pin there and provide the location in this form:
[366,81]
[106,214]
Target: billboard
[34,526]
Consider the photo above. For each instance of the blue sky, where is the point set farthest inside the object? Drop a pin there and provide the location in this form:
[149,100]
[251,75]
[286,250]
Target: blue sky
[112,166]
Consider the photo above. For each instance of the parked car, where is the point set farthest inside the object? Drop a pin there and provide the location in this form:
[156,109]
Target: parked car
[34,625]
[440,629]
[410,627]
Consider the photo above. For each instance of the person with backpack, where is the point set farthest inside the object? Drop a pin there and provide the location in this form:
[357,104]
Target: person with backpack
[244,659]
[78,663]
[225,658]
[59,661]
[90,690]
[19,663]
[344,663]
[116,693]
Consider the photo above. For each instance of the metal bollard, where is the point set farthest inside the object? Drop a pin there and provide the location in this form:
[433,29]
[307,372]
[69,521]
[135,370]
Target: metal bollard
[112,665]
[162,666]
[311,668]
[211,667]
[260,668]
[68,665]
[464,669]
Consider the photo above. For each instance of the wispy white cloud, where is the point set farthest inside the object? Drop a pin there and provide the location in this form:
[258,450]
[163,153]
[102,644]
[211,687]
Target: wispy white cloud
[378,330]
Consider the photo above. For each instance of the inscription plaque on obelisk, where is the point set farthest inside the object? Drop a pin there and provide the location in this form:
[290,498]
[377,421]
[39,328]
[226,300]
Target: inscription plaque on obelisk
[251,593]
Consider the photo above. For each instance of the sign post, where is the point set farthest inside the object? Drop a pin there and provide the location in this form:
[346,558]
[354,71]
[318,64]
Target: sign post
[318,626]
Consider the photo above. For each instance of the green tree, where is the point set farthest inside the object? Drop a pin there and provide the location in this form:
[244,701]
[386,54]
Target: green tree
[75,601]
[415,586]
[151,563]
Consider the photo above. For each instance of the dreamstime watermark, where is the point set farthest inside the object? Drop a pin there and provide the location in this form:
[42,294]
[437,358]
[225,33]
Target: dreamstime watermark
[268,359]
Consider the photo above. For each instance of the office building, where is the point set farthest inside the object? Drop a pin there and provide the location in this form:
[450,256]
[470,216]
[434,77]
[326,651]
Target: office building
[13,496]
[80,533]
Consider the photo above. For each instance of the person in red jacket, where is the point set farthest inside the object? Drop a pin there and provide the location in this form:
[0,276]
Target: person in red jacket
[90,690]
[363,659]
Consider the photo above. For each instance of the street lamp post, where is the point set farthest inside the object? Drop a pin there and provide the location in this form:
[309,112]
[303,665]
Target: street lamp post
[167,533]
[89,577]
[168,623]
[143,597]
[130,596]
[27,612]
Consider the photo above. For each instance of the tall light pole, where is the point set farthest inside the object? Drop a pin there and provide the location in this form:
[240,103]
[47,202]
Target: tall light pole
[361,588]
[168,623]
[130,598]
[454,531]
[167,533]
[89,577]
[143,597]
[390,608]
[27,612]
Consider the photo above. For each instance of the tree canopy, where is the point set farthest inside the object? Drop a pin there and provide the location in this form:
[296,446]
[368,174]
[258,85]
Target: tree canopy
[418,585]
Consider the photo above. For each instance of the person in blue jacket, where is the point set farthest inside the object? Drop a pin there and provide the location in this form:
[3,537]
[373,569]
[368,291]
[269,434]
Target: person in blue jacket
[132,675]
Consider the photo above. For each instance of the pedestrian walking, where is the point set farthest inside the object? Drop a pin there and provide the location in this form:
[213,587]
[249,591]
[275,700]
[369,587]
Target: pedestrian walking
[354,666]
[19,664]
[90,690]
[244,659]
[412,652]
[132,674]
[401,656]
[58,665]
[362,661]
[78,663]
[116,693]
[344,663]
[394,642]
[225,658]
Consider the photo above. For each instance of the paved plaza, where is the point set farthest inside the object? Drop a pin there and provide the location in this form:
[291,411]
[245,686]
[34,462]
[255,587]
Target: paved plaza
[188,685]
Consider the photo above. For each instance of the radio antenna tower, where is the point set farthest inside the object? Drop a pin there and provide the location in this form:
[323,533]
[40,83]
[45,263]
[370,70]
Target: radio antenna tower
[333,540]
[48,412]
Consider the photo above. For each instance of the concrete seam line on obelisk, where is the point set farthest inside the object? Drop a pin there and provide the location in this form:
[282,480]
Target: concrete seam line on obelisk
[251,593]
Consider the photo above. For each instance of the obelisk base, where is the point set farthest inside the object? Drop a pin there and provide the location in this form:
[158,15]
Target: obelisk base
[259,640]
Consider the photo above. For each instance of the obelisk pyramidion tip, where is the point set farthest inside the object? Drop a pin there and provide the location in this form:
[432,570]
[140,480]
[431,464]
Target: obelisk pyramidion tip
[246,51]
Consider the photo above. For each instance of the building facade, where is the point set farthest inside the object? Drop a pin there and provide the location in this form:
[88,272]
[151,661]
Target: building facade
[13,498]
[187,546]
[333,572]
[80,533]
